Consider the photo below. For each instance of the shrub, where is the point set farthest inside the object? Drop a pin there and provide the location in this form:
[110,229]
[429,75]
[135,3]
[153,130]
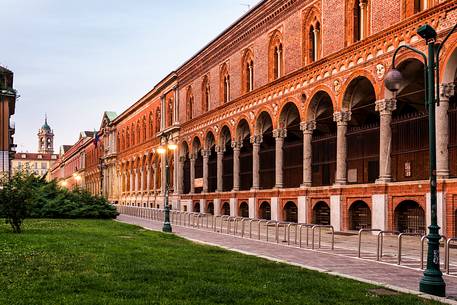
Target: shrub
[28,196]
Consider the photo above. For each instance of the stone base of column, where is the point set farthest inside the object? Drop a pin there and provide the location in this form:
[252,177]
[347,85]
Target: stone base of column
[255,188]
[340,182]
[382,180]
[233,206]
[235,189]
[275,213]
[335,212]
[302,209]
[305,185]
[442,174]
[281,186]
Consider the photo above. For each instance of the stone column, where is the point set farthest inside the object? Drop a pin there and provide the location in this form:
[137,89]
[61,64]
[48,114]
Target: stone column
[279,135]
[385,108]
[205,154]
[180,189]
[236,164]
[148,179]
[256,141]
[442,131]
[154,177]
[307,128]
[142,180]
[341,118]
[192,173]
[220,168]
[131,181]
[137,180]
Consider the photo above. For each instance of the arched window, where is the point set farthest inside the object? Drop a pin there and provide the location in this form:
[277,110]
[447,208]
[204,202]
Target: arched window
[411,7]
[157,120]
[189,104]
[144,128]
[138,132]
[275,55]
[170,113]
[360,20]
[205,94]
[314,42]
[133,134]
[127,139]
[225,84]
[248,71]
[151,125]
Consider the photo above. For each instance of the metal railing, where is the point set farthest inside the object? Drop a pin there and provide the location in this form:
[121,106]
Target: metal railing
[380,242]
[400,236]
[300,227]
[360,239]
[320,227]
[447,257]
[445,250]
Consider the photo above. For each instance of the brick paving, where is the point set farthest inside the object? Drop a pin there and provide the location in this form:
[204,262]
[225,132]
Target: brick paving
[334,262]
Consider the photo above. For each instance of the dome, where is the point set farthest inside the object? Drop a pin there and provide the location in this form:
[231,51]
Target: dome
[45,126]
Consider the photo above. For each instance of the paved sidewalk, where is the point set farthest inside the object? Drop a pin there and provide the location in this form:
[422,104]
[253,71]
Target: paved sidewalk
[392,276]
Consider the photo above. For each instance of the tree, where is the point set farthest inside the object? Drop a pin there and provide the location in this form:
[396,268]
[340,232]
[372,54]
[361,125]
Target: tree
[15,198]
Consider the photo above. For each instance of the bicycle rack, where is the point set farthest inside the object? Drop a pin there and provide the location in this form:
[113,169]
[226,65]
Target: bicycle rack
[222,220]
[271,222]
[447,257]
[380,242]
[261,221]
[242,225]
[360,238]
[320,227]
[300,227]
[288,232]
[400,244]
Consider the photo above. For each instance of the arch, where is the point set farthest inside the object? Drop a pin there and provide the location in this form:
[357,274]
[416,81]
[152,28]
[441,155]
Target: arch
[196,144]
[263,123]
[321,213]
[363,131]
[210,140]
[289,113]
[243,210]
[323,138]
[224,86]
[196,207]
[243,129]
[358,81]
[210,208]
[359,215]
[410,124]
[205,94]
[225,144]
[225,209]
[449,68]
[320,93]
[265,210]
[275,56]
[290,212]
[247,73]
[409,217]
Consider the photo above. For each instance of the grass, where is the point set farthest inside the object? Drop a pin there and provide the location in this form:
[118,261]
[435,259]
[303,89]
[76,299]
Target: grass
[105,262]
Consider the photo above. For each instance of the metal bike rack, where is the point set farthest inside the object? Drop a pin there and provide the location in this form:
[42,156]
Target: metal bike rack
[300,227]
[222,220]
[447,257]
[272,222]
[360,238]
[243,226]
[380,242]
[261,221]
[320,227]
[288,232]
[400,236]
[445,250]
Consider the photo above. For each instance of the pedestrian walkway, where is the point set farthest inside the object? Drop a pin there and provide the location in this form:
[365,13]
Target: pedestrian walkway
[366,270]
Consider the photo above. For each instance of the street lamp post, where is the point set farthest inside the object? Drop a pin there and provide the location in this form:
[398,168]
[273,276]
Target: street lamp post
[164,152]
[432,281]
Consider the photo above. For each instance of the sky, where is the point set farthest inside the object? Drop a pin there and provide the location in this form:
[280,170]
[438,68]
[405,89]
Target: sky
[72,60]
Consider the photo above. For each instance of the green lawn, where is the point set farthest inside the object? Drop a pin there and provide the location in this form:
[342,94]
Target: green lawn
[105,262]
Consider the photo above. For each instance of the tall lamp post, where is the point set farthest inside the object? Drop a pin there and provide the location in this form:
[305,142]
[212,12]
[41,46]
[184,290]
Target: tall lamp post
[163,150]
[432,281]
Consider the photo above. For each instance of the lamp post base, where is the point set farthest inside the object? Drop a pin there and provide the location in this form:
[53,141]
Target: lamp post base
[166,228]
[433,285]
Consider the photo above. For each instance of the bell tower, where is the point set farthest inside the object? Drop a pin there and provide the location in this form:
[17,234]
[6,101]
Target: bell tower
[45,138]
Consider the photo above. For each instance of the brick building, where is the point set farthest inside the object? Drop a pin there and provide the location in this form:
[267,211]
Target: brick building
[285,116]
[7,107]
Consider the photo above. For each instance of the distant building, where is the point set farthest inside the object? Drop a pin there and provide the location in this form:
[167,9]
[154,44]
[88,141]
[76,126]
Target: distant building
[37,163]
[7,106]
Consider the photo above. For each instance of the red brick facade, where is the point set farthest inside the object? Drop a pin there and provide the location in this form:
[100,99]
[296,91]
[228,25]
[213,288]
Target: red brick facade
[332,57]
